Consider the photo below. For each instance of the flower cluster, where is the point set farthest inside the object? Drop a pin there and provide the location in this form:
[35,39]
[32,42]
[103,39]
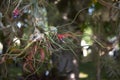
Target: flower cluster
[16,13]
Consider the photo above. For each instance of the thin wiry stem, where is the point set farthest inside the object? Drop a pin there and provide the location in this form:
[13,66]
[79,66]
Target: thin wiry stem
[78,13]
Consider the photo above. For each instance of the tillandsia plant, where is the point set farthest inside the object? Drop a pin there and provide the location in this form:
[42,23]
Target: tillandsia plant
[31,41]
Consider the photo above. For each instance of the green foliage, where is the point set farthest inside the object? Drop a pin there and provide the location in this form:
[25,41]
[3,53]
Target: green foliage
[111,67]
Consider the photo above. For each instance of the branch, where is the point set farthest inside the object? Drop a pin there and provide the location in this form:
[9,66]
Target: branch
[106,4]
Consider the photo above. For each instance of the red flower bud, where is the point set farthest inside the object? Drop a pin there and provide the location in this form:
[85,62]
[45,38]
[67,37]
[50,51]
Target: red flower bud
[61,36]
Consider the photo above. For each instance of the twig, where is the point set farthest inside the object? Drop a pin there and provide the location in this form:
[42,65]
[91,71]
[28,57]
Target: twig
[18,4]
[7,7]
[108,5]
